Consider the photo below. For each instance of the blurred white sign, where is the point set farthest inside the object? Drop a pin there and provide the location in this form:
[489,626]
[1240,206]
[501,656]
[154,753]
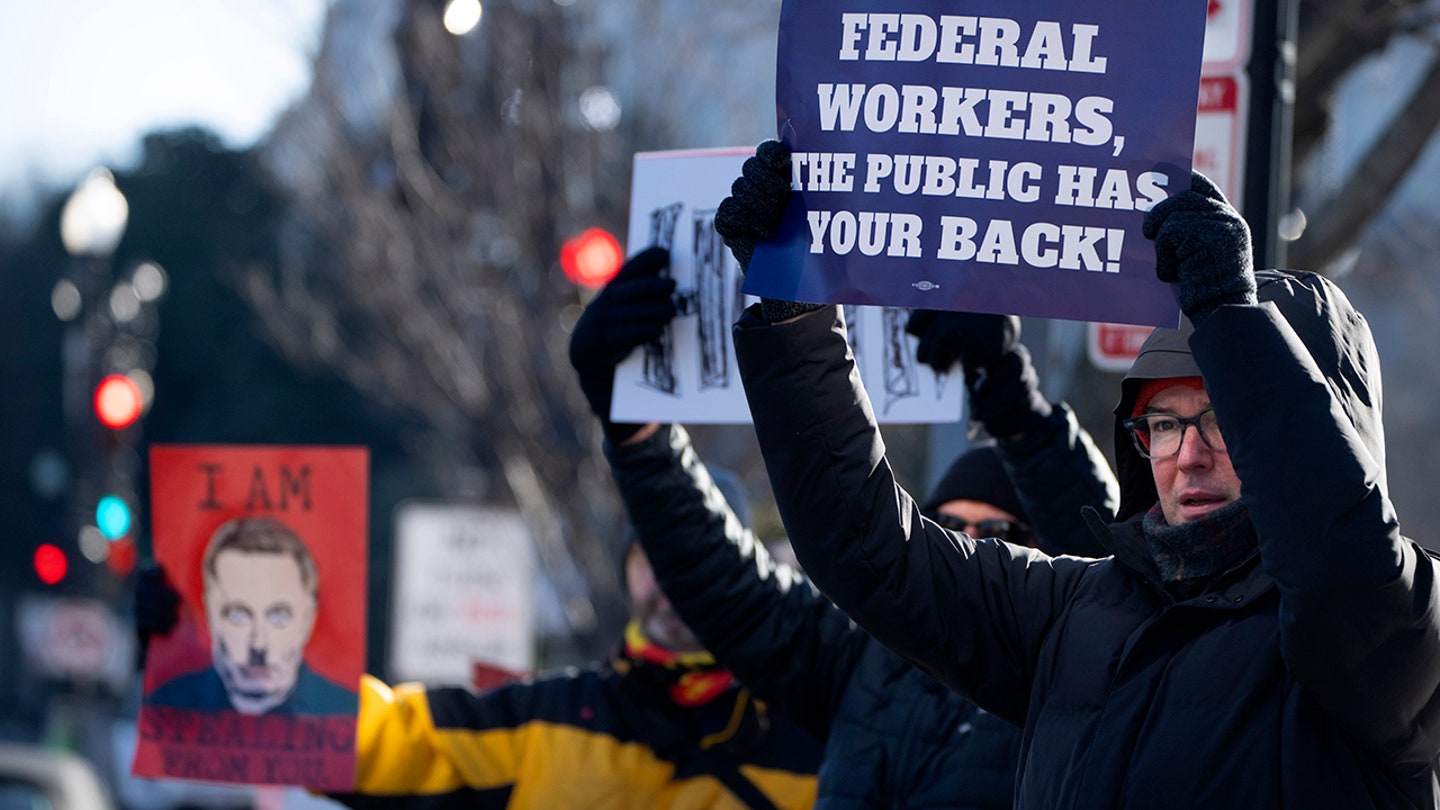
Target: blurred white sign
[1227,35]
[463,593]
[1220,121]
[689,375]
[75,639]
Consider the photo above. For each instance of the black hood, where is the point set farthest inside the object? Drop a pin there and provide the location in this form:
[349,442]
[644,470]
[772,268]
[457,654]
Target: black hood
[1333,331]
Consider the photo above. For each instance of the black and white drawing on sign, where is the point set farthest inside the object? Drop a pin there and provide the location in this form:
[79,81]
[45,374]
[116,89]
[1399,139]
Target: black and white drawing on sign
[660,355]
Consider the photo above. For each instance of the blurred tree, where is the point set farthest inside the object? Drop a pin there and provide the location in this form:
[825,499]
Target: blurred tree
[425,271]
[1335,36]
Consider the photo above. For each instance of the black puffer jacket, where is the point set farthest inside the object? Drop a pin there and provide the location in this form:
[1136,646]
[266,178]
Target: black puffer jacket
[1305,676]
[894,737]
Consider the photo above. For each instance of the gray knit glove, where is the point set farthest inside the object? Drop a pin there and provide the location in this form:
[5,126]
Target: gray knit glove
[753,212]
[1203,245]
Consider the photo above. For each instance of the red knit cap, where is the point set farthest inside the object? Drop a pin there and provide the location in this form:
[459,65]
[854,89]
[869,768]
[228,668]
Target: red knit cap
[1150,388]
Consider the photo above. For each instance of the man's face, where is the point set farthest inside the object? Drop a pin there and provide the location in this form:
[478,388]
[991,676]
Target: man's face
[650,607]
[1197,480]
[260,615]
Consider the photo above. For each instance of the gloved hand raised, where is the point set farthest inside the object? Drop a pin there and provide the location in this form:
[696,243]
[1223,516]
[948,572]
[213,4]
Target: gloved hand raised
[757,201]
[753,211]
[1003,386]
[1203,244]
[977,340]
[632,310]
[157,608]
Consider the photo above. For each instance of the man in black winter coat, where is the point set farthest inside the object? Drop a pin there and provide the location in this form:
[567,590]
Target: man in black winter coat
[1271,644]
[894,737]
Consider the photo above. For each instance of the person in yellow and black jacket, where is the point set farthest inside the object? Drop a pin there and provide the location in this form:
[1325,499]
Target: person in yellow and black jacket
[660,725]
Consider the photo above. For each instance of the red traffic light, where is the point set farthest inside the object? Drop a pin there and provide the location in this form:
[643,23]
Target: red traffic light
[50,564]
[118,401]
[592,258]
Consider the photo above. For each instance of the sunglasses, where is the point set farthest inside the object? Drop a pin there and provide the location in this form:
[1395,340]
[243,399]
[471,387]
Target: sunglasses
[1011,531]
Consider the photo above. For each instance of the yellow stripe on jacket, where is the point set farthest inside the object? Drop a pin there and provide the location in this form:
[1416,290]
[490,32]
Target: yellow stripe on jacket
[400,751]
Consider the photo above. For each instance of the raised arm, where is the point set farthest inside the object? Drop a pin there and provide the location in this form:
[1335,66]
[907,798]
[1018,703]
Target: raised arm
[1053,463]
[972,613]
[761,620]
[1294,378]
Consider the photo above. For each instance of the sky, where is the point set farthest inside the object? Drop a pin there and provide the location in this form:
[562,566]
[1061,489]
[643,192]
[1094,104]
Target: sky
[81,81]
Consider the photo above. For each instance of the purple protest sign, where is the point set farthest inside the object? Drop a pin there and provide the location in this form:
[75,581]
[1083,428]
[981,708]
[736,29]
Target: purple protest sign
[996,161]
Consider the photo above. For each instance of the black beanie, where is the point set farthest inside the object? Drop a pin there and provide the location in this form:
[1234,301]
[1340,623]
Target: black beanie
[977,475]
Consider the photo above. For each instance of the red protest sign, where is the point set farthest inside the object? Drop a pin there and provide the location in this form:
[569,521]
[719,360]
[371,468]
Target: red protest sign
[267,547]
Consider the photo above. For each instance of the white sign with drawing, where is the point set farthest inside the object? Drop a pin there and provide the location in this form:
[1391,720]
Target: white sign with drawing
[689,374]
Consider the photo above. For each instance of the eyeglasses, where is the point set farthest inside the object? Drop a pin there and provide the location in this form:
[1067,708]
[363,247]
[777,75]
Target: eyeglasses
[1159,435]
[1011,531]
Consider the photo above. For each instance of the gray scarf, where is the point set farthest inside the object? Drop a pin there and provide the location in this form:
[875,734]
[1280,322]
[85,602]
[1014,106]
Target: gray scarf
[1201,548]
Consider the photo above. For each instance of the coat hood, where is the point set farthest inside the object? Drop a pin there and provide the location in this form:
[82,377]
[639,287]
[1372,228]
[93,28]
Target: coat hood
[1332,330]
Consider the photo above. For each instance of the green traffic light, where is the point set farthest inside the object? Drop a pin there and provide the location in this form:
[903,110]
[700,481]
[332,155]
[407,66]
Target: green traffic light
[112,517]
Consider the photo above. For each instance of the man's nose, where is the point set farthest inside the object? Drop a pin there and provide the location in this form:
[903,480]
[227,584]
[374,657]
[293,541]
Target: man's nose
[259,643]
[1193,452]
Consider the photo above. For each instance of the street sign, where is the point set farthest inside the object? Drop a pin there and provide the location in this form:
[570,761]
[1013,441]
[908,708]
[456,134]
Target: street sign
[74,639]
[1113,346]
[1227,36]
[463,593]
[1222,115]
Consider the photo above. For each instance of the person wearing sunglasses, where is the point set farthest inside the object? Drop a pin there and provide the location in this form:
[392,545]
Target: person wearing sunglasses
[1273,644]
[975,497]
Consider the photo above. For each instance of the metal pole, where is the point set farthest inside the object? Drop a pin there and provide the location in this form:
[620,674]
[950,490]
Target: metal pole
[1268,140]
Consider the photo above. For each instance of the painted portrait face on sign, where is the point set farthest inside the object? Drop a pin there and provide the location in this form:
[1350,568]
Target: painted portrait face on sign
[260,601]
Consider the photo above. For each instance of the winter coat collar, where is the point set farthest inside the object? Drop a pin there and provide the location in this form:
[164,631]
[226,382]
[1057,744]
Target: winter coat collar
[1242,583]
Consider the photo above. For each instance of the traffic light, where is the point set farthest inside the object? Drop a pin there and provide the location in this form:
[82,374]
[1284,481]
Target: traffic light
[51,564]
[118,401]
[107,536]
[592,258]
[113,517]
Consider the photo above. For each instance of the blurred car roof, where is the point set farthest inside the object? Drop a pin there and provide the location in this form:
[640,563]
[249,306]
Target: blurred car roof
[64,780]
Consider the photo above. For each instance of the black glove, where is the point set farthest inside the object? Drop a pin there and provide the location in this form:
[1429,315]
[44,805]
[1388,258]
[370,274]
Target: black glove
[632,310]
[753,211]
[1203,244]
[757,201]
[1003,386]
[976,340]
[157,608]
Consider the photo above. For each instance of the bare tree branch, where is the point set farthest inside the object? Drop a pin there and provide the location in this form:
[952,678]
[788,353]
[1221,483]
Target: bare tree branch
[1340,222]
[429,277]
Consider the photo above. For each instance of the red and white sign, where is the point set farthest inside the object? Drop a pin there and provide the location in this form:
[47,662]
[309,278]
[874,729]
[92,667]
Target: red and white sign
[1220,123]
[75,639]
[1114,346]
[1227,35]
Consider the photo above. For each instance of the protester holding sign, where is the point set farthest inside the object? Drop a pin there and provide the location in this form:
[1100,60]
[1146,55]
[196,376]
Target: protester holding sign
[659,725]
[266,600]
[894,737]
[1280,649]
